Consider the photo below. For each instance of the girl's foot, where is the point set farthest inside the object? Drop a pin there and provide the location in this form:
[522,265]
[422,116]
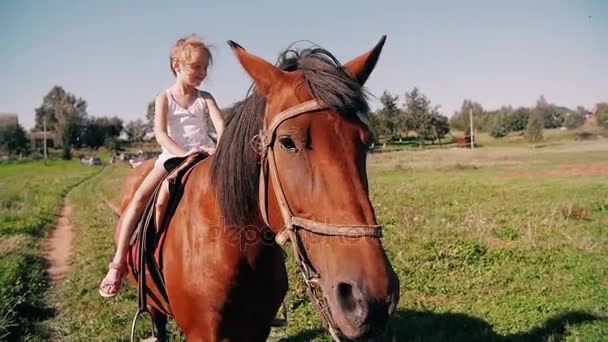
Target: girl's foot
[112,283]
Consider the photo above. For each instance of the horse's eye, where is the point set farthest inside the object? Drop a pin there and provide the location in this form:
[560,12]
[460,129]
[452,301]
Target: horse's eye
[287,144]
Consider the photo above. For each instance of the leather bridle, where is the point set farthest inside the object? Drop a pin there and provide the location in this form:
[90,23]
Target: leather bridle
[294,224]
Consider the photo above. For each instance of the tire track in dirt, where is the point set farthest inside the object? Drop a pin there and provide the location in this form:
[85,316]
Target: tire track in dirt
[58,246]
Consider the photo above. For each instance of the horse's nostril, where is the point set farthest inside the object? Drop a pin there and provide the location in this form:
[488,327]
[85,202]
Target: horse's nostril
[346,298]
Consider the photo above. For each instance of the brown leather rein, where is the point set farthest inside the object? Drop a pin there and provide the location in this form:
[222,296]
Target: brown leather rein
[293,224]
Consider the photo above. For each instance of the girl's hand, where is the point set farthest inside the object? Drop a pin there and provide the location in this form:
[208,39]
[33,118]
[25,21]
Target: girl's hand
[209,150]
[191,151]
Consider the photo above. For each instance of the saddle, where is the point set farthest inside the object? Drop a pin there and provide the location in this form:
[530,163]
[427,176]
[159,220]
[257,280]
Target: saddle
[145,257]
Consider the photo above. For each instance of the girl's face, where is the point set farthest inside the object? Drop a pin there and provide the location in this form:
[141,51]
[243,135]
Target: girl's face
[193,71]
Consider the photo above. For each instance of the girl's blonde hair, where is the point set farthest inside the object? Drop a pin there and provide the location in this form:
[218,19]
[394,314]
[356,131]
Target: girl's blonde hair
[185,47]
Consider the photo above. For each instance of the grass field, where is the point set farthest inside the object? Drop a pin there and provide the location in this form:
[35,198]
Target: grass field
[502,243]
[30,196]
[498,243]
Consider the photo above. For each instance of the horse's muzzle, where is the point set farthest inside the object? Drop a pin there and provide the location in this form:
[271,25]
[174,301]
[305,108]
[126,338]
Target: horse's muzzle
[360,316]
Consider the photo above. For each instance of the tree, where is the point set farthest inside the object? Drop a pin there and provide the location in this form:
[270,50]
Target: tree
[92,134]
[64,114]
[460,120]
[499,131]
[518,119]
[150,113]
[534,128]
[136,130]
[377,126]
[13,139]
[96,131]
[112,125]
[407,123]
[418,110]
[389,115]
[440,124]
[574,120]
[551,116]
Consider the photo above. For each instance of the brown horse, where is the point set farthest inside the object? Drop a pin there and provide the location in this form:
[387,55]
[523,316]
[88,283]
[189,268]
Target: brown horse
[291,166]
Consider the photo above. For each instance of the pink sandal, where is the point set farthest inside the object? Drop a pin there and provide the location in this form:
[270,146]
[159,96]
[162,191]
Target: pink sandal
[117,284]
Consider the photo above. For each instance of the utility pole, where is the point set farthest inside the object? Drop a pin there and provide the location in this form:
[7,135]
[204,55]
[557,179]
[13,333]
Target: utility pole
[471,126]
[44,125]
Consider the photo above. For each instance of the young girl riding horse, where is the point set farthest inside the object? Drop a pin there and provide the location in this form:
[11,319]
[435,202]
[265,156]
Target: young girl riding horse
[180,128]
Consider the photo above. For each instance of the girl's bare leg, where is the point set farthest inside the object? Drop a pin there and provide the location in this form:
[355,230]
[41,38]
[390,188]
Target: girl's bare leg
[112,283]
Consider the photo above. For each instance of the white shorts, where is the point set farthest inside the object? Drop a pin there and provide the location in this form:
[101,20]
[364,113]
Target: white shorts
[162,158]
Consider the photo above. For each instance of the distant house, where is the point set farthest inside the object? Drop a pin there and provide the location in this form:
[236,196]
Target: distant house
[38,139]
[8,119]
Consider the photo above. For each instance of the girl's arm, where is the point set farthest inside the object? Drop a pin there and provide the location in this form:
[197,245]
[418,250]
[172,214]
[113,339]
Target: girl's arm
[160,127]
[217,117]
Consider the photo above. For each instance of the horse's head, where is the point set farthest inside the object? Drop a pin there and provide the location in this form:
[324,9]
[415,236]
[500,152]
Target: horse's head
[315,140]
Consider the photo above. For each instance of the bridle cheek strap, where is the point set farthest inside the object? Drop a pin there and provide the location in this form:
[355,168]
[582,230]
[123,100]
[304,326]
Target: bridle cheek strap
[292,222]
[264,145]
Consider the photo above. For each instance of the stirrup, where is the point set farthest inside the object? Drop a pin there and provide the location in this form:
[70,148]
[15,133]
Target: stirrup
[280,322]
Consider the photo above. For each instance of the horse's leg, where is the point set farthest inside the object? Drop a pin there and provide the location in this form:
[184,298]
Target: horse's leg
[262,336]
[203,331]
[160,325]
[276,284]
[197,336]
[279,281]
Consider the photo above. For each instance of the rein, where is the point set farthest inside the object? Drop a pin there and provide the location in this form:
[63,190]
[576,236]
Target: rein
[294,224]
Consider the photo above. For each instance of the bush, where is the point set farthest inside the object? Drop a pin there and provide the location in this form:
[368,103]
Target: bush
[499,131]
[534,128]
[112,144]
[574,121]
[66,152]
[13,139]
[518,120]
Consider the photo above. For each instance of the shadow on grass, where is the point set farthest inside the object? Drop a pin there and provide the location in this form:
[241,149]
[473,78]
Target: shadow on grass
[409,325]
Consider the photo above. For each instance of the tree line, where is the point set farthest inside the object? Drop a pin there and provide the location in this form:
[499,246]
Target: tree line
[66,116]
[498,123]
[393,121]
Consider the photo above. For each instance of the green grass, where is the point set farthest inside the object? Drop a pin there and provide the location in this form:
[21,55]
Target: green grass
[105,320]
[30,195]
[488,257]
[502,243]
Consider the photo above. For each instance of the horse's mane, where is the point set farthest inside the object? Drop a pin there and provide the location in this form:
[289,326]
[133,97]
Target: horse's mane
[235,169]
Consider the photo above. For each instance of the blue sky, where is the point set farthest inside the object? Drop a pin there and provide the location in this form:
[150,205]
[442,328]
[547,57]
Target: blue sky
[114,54]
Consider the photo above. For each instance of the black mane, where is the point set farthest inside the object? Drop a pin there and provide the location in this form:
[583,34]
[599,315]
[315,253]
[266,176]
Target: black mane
[235,171]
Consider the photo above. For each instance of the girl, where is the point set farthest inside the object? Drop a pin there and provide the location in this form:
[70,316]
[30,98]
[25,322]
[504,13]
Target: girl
[180,129]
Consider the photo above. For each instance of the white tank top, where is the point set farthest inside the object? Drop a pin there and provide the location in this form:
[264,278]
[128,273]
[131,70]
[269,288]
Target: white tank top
[187,126]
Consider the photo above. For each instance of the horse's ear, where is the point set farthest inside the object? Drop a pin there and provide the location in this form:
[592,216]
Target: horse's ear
[362,66]
[265,75]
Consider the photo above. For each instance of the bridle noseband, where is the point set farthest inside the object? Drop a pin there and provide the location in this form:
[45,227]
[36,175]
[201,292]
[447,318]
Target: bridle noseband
[293,224]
